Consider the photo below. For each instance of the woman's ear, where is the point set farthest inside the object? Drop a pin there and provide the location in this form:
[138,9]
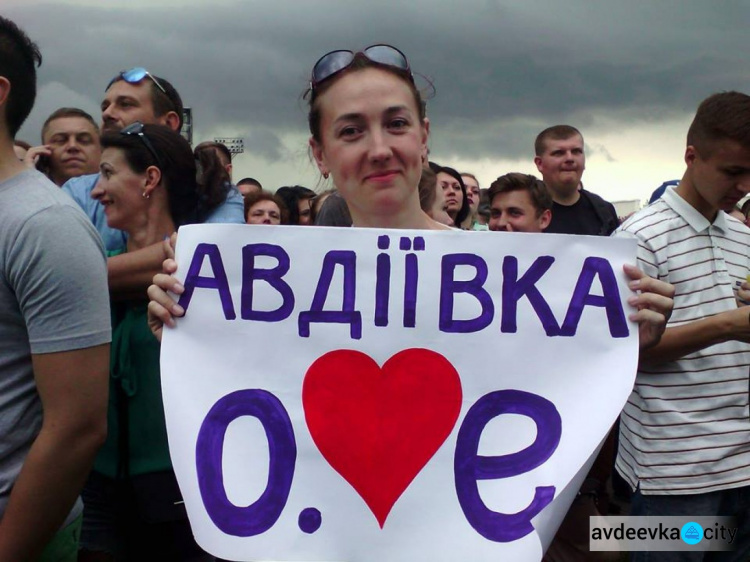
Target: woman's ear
[317,152]
[425,139]
[151,181]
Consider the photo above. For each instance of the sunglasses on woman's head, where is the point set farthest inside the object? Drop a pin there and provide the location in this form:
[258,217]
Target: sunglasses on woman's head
[136,129]
[134,76]
[336,61]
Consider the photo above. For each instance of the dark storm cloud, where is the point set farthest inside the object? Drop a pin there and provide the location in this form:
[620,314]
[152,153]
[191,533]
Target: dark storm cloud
[502,70]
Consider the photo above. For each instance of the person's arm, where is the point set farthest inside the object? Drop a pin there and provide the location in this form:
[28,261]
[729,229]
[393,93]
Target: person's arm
[653,303]
[73,388]
[161,307]
[679,341]
[130,274]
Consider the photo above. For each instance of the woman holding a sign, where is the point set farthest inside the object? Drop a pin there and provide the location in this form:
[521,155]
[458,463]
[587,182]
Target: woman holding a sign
[369,132]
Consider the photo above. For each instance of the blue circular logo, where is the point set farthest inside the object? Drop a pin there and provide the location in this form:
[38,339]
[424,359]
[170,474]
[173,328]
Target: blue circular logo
[691,533]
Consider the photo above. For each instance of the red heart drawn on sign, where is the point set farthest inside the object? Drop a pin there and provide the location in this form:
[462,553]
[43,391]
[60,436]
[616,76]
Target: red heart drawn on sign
[378,427]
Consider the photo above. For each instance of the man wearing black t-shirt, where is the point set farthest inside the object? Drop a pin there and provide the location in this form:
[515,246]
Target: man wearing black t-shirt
[561,161]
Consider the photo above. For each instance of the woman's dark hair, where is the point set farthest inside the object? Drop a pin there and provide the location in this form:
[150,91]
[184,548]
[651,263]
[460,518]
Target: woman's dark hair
[291,196]
[213,179]
[176,163]
[253,198]
[464,211]
[360,62]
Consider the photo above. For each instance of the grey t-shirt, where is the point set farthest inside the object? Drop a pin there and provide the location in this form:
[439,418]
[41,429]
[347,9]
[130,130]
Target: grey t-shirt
[53,297]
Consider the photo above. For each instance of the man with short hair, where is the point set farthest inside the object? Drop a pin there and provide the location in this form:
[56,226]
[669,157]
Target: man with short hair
[70,146]
[137,95]
[248,186]
[519,203]
[54,337]
[561,160]
[684,433]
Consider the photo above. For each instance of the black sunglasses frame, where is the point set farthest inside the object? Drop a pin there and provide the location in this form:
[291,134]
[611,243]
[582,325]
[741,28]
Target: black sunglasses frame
[136,129]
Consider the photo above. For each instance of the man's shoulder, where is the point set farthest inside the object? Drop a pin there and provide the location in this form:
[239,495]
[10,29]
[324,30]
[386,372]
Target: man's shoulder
[80,188]
[81,184]
[27,194]
[599,202]
[593,197]
[650,221]
[35,211]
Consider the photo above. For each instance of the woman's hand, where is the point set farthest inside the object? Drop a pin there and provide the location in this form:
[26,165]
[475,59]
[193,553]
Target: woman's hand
[654,303]
[162,309]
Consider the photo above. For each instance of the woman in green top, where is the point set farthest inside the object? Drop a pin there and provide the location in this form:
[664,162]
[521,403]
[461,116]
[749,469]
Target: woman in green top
[133,508]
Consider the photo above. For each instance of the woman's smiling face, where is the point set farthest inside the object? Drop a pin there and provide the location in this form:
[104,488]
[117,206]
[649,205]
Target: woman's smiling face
[120,191]
[372,142]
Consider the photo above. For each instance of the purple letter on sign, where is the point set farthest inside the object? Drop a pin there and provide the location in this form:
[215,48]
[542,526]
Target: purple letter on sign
[347,315]
[610,301]
[219,281]
[474,287]
[469,467]
[515,288]
[271,276]
[261,515]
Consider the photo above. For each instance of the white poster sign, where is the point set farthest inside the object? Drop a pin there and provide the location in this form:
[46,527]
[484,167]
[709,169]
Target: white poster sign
[365,395]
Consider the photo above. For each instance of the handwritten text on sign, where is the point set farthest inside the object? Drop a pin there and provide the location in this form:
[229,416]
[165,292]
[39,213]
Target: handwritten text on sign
[365,395]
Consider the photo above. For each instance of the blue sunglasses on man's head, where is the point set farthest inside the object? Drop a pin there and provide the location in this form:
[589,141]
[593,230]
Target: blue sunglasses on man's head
[134,76]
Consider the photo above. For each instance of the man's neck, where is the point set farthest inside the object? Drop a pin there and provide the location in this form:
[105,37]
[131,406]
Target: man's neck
[564,195]
[687,191]
[10,165]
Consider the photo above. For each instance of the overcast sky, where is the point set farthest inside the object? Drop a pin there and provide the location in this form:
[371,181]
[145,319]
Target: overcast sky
[628,74]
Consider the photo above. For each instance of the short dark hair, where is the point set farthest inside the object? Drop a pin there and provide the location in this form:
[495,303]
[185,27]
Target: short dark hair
[68,112]
[165,102]
[19,57]
[514,181]
[725,115]
[556,132]
[251,181]
[254,198]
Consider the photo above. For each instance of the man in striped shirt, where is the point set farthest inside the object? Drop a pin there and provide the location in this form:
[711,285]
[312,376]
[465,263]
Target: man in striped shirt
[685,431]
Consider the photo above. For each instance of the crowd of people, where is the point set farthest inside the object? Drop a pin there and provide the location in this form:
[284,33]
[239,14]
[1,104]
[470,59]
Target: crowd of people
[85,262]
